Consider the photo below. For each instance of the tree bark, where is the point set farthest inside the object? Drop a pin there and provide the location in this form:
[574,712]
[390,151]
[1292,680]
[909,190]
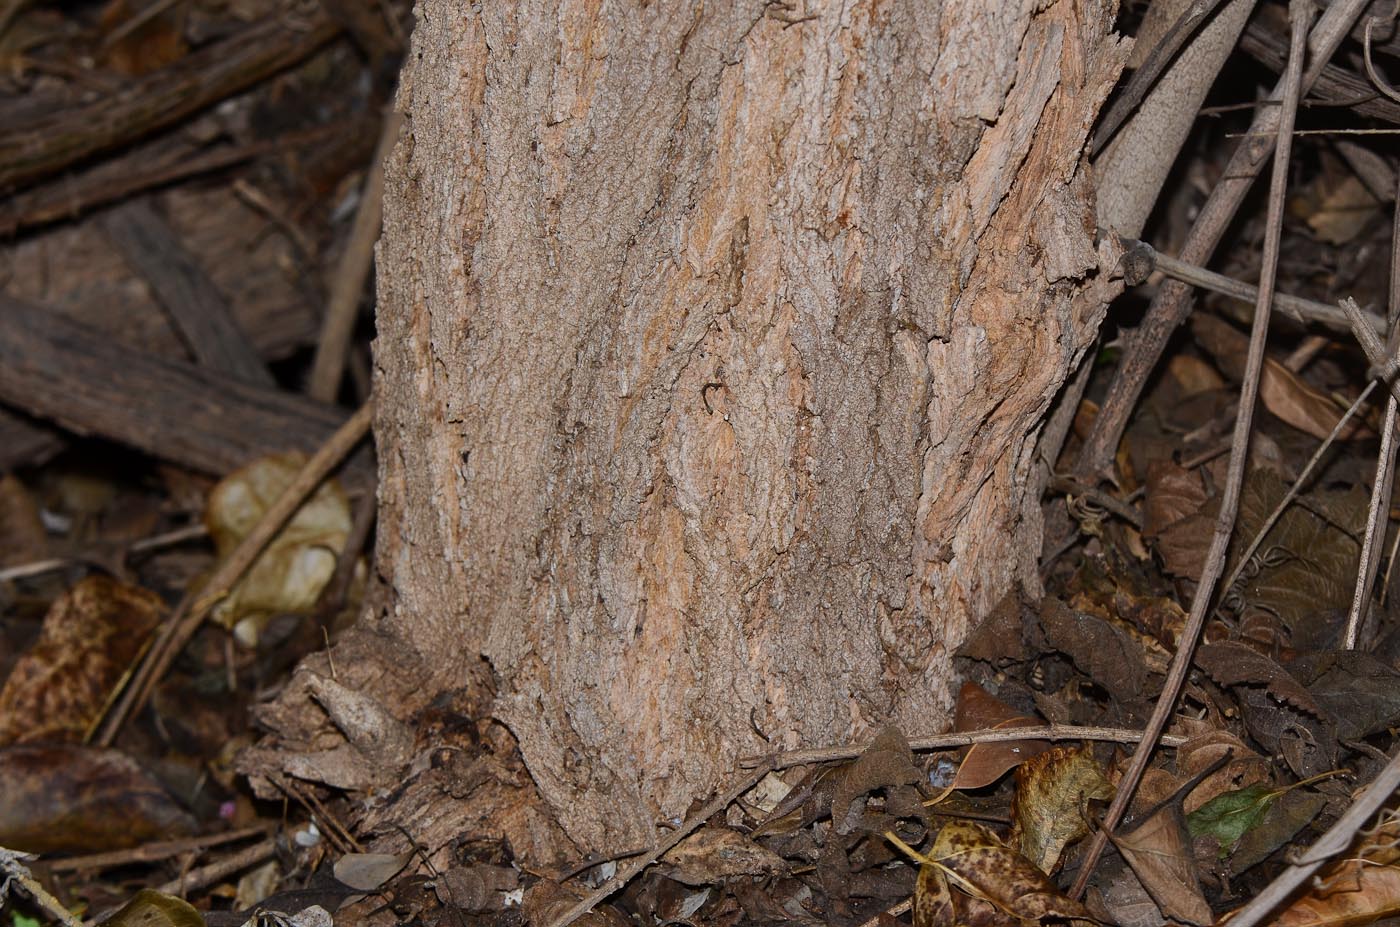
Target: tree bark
[714,342]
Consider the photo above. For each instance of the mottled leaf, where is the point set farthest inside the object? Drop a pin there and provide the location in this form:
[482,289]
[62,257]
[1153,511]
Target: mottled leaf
[972,878]
[1050,810]
[90,637]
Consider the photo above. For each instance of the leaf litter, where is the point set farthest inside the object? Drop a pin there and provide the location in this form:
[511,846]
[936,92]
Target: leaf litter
[1274,707]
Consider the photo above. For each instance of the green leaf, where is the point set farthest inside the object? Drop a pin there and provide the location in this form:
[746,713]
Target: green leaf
[1229,816]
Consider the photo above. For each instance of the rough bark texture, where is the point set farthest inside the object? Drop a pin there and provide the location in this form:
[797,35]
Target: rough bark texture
[714,342]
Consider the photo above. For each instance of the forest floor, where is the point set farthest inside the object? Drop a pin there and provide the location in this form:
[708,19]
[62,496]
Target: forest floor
[191,191]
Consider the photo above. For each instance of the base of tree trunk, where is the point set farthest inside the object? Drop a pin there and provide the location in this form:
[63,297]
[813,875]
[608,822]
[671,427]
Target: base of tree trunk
[714,345]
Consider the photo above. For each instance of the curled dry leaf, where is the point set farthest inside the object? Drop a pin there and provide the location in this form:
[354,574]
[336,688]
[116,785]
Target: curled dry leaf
[983,764]
[1231,663]
[1361,886]
[289,574]
[1050,810]
[972,878]
[887,765]
[89,639]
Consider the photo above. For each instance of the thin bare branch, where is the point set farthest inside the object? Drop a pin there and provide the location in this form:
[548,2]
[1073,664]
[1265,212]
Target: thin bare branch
[1300,13]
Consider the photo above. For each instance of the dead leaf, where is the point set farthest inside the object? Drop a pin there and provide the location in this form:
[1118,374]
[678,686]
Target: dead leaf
[1050,810]
[64,798]
[1282,821]
[972,878]
[887,765]
[1283,392]
[90,637]
[1111,654]
[1231,664]
[150,908]
[983,764]
[1204,750]
[1122,900]
[1160,854]
[1307,563]
[1336,205]
[1360,887]
[368,871]
[1359,692]
[1162,857]
[1173,493]
[295,566]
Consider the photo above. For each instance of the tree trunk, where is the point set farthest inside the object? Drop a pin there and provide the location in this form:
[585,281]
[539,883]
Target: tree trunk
[714,342]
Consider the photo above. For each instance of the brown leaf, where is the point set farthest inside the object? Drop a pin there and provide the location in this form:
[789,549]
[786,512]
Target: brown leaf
[1204,749]
[1172,493]
[69,798]
[1307,562]
[1160,853]
[1050,809]
[1121,899]
[1282,391]
[1359,691]
[983,764]
[1111,654]
[973,879]
[90,637]
[886,764]
[1358,888]
[1231,663]
[150,908]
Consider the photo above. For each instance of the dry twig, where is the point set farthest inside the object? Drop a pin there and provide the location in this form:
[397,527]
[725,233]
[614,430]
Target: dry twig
[1381,487]
[192,609]
[1172,303]
[967,738]
[1300,13]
